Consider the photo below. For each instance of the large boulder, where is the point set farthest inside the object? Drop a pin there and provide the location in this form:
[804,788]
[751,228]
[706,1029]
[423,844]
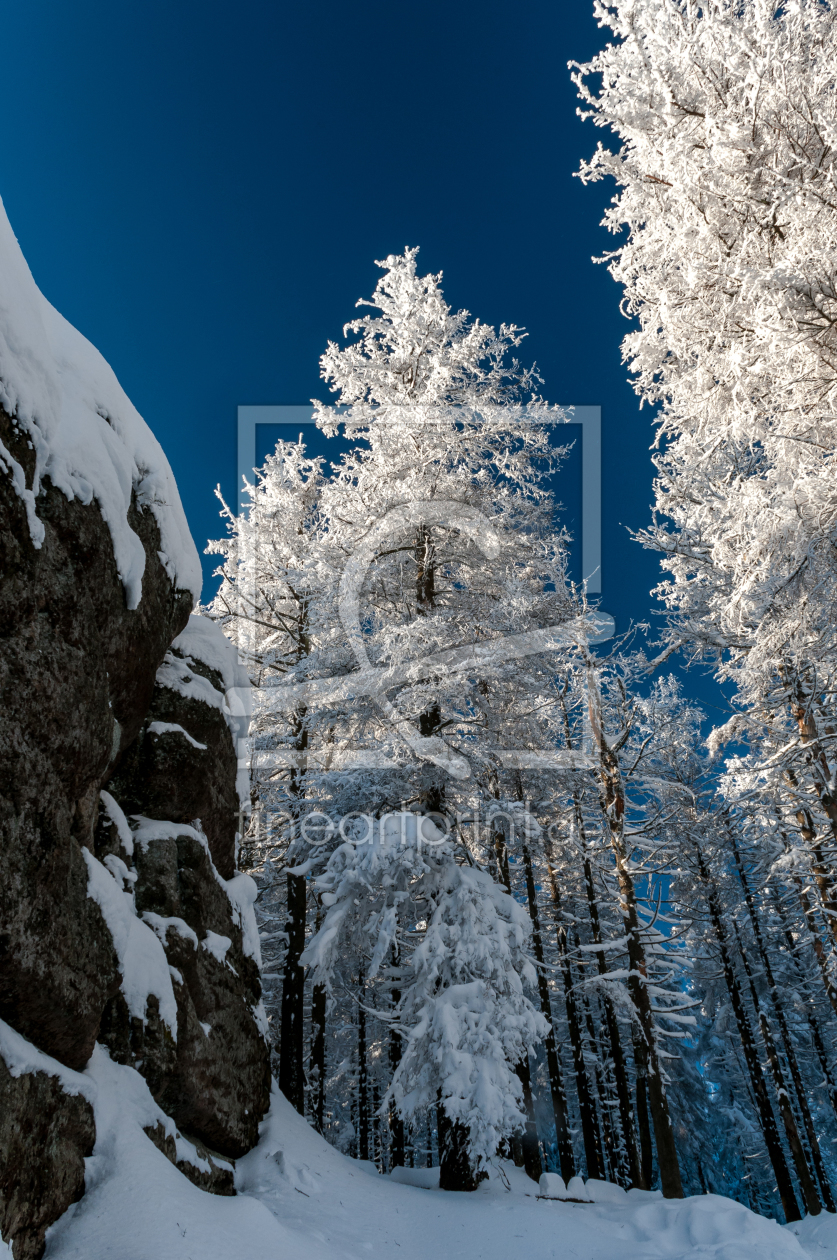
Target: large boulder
[184,763]
[214,1078]
[146,944]
[77,671]
[37,1113]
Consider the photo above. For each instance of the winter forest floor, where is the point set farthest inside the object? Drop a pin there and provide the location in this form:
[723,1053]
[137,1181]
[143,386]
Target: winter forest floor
[299,1199]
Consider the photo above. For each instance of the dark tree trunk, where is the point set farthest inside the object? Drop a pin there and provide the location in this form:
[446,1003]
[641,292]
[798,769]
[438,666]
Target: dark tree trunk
[529,1145]
[806,831]
[613,809]
[592,1153]
[455,1169]
[803,1172]
[425,557]
[318,1059]
[633,1172]
[767,1119]
[291,1019]
[362,1075]
[790,1053]
[646,1145]
[291,1074]
[396,1124]
[556,1084]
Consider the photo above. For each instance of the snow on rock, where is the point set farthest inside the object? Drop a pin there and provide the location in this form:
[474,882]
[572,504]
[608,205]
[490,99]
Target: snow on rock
[88,438]
[218,947]
[552,1186]
[604,1192]
[242,891]
[161,925]
[204,641]
[115,815]
[137,1205]
[47,1129]
[142,960]
[576,1190]
[173,728]
[21,1057]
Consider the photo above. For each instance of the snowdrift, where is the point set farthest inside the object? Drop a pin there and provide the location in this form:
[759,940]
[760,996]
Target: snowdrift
[300,1199]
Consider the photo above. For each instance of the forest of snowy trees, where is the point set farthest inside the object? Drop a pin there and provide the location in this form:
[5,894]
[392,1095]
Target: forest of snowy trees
[513,898]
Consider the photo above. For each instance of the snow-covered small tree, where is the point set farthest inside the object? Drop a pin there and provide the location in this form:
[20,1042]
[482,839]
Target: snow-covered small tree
[463,1014]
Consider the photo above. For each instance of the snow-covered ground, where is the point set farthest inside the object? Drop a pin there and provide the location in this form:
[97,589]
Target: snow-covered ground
[299,1199]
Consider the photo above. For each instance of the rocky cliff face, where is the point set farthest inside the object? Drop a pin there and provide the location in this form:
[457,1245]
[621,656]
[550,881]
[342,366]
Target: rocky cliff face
[122,918]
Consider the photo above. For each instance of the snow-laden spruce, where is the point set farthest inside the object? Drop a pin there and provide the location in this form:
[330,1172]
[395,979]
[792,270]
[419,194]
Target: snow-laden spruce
[434,532]
[727,174]
[461,971]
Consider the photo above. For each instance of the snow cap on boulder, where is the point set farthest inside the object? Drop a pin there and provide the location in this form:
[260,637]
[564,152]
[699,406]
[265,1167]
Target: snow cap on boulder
[88,438]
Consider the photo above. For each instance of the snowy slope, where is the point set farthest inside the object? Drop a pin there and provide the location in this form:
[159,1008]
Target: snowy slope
[299,1199]
[88,437]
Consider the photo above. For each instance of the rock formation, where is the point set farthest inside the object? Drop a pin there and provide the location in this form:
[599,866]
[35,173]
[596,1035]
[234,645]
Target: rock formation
[122,918]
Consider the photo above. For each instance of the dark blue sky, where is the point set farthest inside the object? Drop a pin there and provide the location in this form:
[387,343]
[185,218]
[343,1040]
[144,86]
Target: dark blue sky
[201,188]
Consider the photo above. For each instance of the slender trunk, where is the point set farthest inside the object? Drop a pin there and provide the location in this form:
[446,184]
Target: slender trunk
[620,1073]
[790,1053]
[646,1146]
[291,1073]
[425,558]
[396,1124]
[819,1046]
[317,1068]
[592,1151]
[613,1156]
[529,1144]
[767,1119]
[377,1135]
[823,781]
[556,1084]
[362,1074]
[792,945]
[803,1172]
[633,1172]
[291,1044]
[806,830]
[613,808]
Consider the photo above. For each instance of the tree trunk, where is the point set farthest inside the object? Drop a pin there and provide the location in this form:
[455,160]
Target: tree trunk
[592,1151]
[806,829]
[613,1156]
[759,1086]
[633,1172]
[318,1059]
[455,1170]
[790,1054]
[291,1074]
[646,1146]
[822,777]
[803,1172]
[362,1075]
[396,1124]
[613,808]
[556,1084]
[529,1145]
[291,1020]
